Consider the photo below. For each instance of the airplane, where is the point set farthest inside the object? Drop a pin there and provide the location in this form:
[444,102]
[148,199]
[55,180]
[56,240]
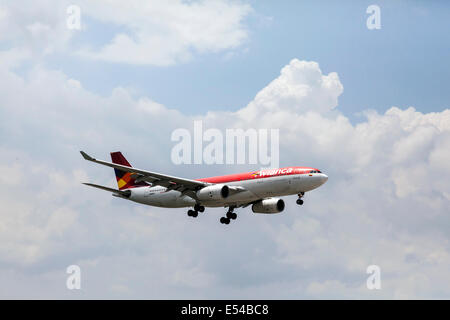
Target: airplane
[261,189]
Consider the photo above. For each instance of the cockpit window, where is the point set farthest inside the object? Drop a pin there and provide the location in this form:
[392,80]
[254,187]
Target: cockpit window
[314,171]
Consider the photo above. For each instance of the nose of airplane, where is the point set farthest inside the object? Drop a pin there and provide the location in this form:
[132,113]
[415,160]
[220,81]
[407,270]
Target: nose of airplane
[323,178]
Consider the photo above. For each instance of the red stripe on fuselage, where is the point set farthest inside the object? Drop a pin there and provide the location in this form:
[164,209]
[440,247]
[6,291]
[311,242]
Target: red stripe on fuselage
[258,174]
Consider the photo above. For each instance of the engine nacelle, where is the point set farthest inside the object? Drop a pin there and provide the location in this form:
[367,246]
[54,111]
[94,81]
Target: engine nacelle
[271,205]
[214,192]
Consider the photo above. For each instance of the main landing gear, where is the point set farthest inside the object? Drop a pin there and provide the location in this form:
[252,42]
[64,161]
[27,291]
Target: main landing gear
[229,216]
[194,213]
[299,200]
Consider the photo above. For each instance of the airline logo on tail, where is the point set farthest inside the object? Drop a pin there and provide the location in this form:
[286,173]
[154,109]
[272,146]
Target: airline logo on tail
[124,179]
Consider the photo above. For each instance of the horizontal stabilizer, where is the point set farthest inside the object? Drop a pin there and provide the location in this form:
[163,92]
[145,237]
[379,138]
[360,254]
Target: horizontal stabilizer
[124,193]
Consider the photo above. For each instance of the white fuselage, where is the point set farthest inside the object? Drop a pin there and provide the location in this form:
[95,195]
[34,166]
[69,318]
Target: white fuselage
[256,188]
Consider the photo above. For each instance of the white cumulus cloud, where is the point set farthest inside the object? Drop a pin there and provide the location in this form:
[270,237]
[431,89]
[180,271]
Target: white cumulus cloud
[386,201]
[167,32]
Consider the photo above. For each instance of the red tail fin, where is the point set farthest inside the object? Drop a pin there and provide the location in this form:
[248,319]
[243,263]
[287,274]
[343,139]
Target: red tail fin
[124,179]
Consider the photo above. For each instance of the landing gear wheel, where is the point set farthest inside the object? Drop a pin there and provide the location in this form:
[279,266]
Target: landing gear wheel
[231,215]
[224,220]
[299,202]
[192,213]
[199,208]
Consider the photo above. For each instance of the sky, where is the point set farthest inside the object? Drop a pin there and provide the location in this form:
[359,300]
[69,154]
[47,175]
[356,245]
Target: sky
[368,107]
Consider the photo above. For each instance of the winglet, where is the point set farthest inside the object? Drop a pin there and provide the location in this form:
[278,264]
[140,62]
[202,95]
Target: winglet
[86,156]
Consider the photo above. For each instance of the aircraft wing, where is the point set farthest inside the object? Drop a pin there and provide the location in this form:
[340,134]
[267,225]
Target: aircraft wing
[186,186]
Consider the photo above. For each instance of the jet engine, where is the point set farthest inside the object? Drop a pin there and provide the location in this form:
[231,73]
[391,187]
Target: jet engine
[214,192]
[270,205]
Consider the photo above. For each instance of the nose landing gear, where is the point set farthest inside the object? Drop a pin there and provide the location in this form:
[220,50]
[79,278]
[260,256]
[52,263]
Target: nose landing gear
[299,200]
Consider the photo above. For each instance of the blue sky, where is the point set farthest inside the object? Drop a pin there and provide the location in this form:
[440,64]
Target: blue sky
[403,64]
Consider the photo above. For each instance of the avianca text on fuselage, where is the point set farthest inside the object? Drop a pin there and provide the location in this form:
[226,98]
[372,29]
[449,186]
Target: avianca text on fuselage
[260,189]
